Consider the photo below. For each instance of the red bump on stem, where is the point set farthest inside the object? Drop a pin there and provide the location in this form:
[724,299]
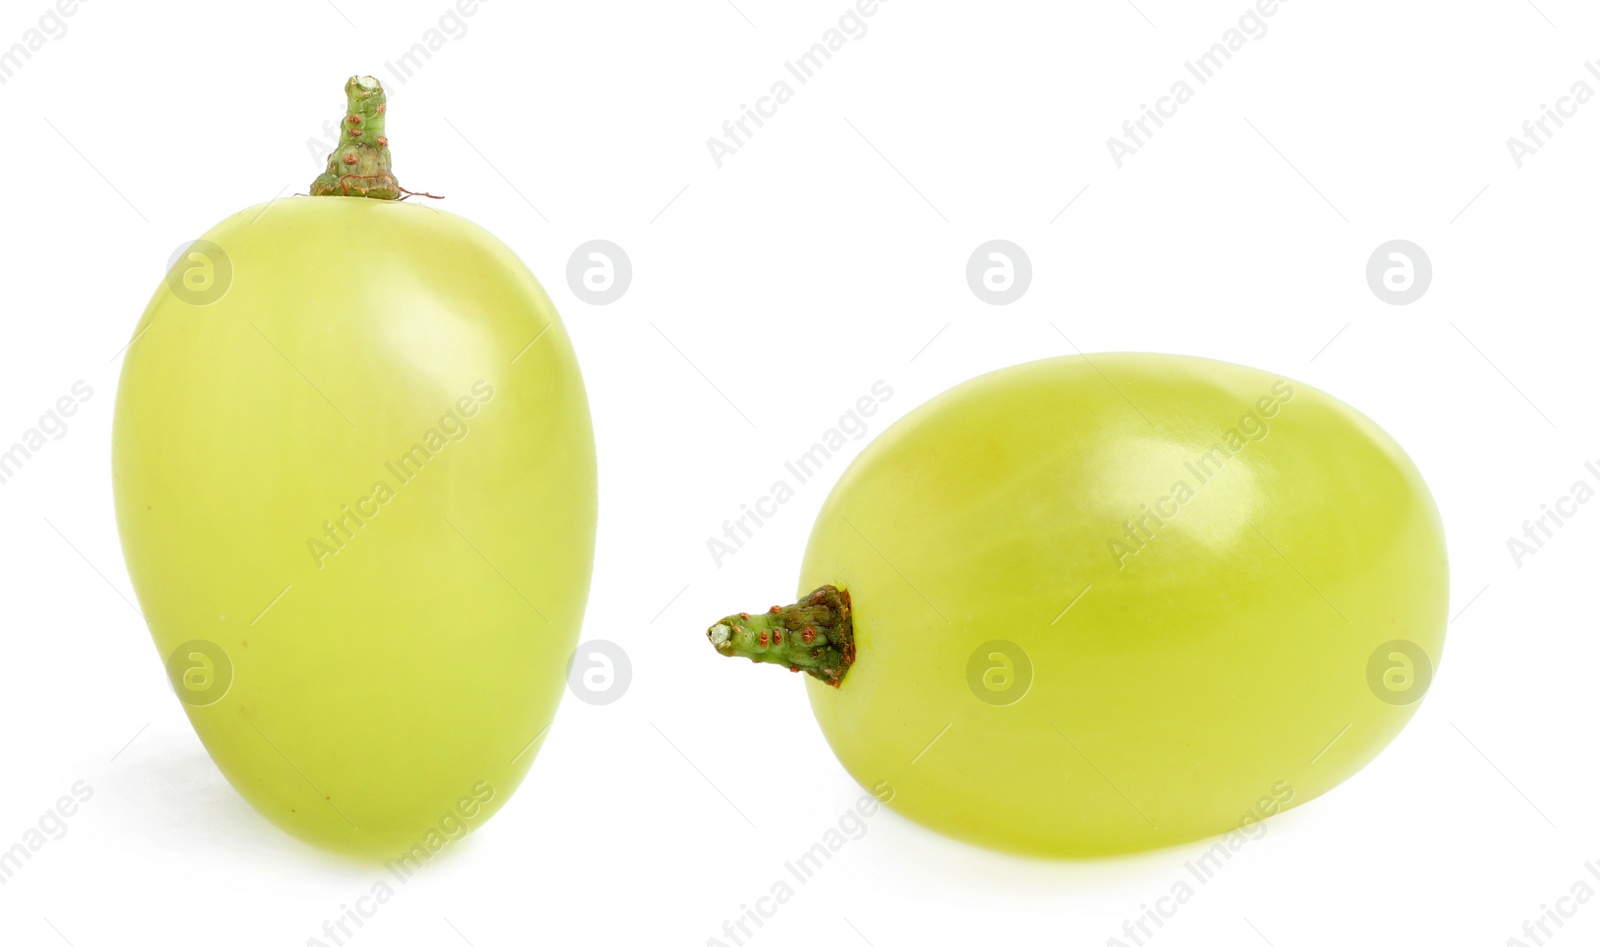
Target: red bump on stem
[813,635]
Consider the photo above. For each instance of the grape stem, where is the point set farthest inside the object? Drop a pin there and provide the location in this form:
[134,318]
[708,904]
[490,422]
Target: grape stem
[361,165]
[814,635]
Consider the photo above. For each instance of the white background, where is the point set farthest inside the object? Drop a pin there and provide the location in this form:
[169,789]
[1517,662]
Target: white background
[836,241]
